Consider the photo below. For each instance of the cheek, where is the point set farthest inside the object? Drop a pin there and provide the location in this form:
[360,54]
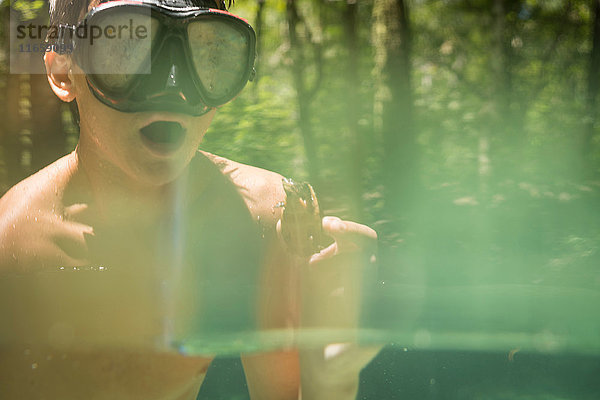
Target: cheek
[103,126]
[93,112]
[199,126]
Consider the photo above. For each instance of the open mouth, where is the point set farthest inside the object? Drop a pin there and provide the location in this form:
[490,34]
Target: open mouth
[163,136]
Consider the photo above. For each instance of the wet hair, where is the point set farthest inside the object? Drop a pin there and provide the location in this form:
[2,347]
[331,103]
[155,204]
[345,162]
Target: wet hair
[70,12]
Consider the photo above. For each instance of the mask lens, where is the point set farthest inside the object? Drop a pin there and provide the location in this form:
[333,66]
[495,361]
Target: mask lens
[121,47]
[220,56]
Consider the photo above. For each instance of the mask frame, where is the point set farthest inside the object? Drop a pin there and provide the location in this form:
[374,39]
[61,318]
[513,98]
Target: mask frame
[174,83]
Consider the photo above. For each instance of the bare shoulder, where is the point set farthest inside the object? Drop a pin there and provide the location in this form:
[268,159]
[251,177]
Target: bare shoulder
[41,189]
[31,215]
[261,189]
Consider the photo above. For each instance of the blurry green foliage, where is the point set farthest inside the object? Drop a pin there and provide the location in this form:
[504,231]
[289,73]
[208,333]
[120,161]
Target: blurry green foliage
[28,10]
[500,110]
[509,194]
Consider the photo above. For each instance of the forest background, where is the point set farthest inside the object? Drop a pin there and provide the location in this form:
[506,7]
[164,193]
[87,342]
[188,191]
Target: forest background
[465,132]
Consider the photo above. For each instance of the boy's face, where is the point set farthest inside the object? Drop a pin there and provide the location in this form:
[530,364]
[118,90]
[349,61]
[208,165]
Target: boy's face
[151,125]
[125,140]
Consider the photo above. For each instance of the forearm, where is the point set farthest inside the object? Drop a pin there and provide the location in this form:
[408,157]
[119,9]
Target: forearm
[331,293]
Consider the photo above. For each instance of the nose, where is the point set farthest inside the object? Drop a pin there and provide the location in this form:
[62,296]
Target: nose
[172,86]
[172,77]
[171,83]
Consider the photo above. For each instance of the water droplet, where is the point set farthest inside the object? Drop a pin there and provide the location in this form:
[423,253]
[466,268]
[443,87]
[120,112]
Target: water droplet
[34,366]
[61,268]
[35,219]
[258,218]
[101,268]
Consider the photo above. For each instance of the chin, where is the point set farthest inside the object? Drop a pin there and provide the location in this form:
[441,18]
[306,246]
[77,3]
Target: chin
[160,173]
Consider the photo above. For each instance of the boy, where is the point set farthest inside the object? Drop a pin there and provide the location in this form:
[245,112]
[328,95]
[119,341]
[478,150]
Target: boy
[96,246]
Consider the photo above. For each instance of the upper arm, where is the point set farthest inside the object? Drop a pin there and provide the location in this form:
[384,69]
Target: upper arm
[275,374]
[279,292]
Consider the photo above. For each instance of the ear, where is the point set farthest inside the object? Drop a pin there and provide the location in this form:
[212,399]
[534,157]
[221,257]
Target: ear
[57,69]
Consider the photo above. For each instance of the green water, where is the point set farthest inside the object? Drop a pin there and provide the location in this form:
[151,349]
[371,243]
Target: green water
[495,342]
[488,302]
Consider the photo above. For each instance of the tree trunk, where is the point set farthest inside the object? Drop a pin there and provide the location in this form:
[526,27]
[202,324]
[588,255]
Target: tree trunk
[5,152]
[499,62]
[304,94]
[258,27]
[593,83]
[394,106]
[355,160]
[48,136]
[9,134]
[498,126]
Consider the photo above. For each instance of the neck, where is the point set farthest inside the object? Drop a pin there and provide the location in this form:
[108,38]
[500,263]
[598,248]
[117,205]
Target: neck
[117,195]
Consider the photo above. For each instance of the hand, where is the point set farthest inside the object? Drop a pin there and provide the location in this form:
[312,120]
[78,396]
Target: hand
[332,280]
[331,298]
[43,239]
[349,237]
[331,283]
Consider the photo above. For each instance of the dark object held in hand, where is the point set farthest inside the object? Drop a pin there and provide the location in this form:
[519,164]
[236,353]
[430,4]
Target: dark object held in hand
[301,220]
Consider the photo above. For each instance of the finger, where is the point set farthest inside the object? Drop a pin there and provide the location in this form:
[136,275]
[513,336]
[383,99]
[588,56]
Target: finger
[333,224]
[71,238]
[324,254]
[350,235]
[337,227]
[74,229]
[74,210]
[280,234]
